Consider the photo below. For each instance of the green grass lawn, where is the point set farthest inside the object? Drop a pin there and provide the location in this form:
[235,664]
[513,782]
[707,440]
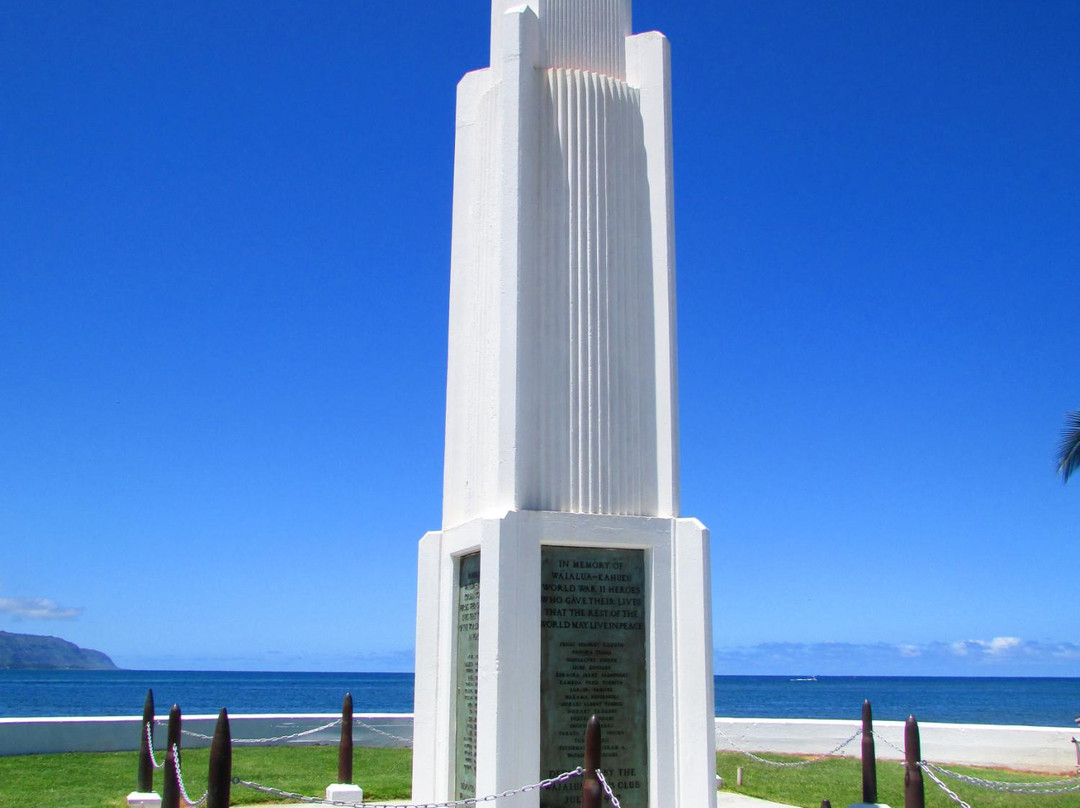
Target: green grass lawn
[103,780]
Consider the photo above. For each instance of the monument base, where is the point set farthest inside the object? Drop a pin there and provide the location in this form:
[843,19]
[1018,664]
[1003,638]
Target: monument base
[528,623]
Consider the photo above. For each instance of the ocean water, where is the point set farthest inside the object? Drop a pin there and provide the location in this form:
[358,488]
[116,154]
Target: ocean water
[1027,701]
[97,693]
[1037,702]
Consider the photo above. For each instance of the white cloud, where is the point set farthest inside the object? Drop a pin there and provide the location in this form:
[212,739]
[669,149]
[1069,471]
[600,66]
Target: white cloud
[1002,645]
[37,609]
[997,647]
[1000,656]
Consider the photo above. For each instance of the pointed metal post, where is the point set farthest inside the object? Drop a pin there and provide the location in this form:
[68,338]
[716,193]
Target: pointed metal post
[914,789]
[173,734]
[146,761]
[869,756]
[218,790]
[170,788]
[592,796]
[345,747]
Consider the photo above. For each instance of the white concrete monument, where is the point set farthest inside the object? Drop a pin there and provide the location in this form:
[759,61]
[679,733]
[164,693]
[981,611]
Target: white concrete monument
[563,582]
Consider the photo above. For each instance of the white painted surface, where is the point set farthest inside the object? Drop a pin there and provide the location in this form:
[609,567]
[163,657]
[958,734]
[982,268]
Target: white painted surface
[681,733]
[561,380]
[344,792]
[143,799]
[588,442]
[648,58]
[584,36]
[561,405]
[31,736]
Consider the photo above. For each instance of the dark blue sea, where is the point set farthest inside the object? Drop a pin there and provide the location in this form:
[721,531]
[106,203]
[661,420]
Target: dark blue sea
[1031,702]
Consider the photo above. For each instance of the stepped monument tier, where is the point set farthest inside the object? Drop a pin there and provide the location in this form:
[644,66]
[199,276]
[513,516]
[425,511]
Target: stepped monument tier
[563,582]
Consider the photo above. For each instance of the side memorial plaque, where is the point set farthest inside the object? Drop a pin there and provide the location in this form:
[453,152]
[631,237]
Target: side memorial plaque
[593,662]
[467,643]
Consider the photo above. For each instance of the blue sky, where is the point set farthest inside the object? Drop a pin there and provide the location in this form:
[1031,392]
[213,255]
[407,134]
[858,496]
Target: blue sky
[224,260]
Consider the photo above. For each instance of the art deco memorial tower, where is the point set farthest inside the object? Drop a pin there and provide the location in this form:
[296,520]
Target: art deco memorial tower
[563,582]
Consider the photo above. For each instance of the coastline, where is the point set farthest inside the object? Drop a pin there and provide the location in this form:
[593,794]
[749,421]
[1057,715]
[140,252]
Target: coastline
[1021,748]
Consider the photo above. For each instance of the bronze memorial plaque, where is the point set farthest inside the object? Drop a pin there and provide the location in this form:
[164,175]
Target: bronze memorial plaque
[593,662]
[467,643]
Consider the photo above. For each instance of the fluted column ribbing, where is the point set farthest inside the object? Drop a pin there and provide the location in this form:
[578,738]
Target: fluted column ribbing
[575,34]
[592,277]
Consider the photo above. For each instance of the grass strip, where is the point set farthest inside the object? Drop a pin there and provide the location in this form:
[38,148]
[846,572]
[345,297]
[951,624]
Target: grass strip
[840,781]
[104,779]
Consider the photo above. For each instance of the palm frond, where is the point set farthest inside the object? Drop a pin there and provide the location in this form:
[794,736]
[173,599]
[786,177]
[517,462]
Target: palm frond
[1069,451]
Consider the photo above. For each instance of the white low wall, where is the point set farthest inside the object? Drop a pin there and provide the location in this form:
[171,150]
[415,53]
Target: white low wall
[1036,749]
[27,736]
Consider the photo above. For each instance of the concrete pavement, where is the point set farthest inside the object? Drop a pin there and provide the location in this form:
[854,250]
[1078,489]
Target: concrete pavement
[729,799]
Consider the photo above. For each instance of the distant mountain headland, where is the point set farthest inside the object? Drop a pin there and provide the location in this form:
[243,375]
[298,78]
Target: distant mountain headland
[32,652]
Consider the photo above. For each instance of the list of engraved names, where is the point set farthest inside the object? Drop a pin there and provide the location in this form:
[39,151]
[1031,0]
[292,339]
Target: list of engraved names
[467,640]
[593,662]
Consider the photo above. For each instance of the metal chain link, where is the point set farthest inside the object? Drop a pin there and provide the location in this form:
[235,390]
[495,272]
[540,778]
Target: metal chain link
[306,732]
[150,746]
[383,732]
[889,743]
[952,794]
[607,789]
[276,792]
[1032,787]
[288,795]
[797,764]
[267,740]
[992,785]
[180,782]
